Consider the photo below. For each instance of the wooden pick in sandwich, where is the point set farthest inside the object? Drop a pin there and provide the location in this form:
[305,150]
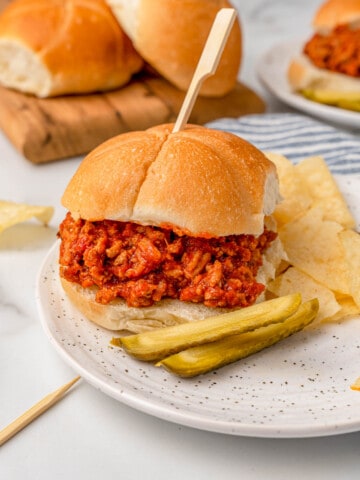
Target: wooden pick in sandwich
[208,62]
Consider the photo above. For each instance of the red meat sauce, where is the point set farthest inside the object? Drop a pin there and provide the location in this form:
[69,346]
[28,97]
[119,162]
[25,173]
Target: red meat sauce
[144,264]
[339,51]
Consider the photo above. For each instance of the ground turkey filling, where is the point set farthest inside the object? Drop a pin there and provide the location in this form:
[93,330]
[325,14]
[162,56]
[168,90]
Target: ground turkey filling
[144,264]
[338,51]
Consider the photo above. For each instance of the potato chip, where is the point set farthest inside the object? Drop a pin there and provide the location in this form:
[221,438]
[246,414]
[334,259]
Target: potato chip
[293,280]
[314,224]
[348,309]
[351,244]
[12,213]
[295,194]
[313,246]
[324,191]
[356,385]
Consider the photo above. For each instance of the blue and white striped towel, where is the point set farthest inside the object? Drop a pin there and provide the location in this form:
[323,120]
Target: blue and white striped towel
[297,137]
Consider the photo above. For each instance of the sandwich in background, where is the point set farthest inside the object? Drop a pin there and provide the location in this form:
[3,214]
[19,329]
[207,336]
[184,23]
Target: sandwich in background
[328,69]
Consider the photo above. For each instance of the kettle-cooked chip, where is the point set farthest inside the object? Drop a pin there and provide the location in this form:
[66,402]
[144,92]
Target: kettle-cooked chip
[351,245]
[315,227]
[293,280]
[348,309]
[313,246]
[356,385]
[324,190]
[296,198]
[12,213]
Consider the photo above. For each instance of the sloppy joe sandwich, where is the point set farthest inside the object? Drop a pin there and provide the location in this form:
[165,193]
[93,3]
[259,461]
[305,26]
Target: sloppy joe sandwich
[328,69]
[164,228]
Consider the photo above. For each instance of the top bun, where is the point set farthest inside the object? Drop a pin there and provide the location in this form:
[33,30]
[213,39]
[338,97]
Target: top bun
[337,12]
[50,48]
[170,35]
[202,181]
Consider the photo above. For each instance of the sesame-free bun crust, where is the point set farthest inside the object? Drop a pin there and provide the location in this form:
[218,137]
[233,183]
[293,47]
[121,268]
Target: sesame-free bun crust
[170,35]
[202,181]
[52,47]
[337,12]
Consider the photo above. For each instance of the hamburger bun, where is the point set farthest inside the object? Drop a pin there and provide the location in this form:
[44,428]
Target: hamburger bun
[50,48]
[198,181]
[170,35]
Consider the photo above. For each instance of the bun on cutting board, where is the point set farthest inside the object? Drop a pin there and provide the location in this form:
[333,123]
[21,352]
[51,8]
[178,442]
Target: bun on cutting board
[170,36]
[50,47]
[328,71]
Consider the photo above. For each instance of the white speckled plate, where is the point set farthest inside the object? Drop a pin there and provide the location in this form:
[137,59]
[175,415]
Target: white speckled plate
[298,388]
[272,68]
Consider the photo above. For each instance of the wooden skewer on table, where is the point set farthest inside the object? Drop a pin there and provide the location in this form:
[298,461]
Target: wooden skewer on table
[34,412]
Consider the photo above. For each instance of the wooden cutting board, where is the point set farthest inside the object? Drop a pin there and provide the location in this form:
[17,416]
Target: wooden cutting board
[50,129]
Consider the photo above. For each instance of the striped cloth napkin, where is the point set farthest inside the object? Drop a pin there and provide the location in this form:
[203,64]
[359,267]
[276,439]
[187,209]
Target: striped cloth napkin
[297,137]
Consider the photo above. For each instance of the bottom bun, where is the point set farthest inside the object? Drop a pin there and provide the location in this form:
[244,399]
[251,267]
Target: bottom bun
[116,315]
[324,86]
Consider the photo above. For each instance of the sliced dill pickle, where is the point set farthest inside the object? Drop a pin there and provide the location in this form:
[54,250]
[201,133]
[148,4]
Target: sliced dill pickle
[347,100]
[204,358]
[157,344]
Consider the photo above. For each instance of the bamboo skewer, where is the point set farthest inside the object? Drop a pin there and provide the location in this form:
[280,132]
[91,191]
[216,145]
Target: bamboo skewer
[208,62]
[34,412]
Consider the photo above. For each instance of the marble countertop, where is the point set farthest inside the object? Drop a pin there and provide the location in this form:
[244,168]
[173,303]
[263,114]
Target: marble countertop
[89,435]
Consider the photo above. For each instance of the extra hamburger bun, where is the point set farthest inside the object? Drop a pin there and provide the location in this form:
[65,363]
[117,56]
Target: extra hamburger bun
[170,36]
[200,181]
[50,48]
[321,84]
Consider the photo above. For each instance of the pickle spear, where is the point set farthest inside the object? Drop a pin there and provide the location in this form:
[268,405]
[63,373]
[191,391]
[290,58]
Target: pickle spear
[203,358]
[157,344]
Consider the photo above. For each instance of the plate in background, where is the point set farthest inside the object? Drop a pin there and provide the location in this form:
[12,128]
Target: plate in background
[272,68]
